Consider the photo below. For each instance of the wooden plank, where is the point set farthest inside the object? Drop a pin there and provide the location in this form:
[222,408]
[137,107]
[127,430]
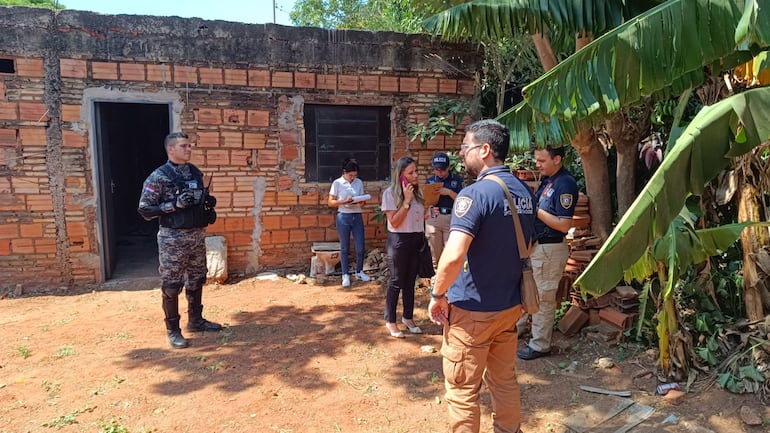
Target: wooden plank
[605,391]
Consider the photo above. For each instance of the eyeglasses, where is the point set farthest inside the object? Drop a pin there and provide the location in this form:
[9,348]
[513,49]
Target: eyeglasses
[467,147]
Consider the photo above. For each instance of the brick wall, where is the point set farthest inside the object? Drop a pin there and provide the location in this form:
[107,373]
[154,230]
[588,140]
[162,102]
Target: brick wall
[241,91]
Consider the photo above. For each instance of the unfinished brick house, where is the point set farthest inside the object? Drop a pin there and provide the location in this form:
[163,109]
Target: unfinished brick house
[86,99]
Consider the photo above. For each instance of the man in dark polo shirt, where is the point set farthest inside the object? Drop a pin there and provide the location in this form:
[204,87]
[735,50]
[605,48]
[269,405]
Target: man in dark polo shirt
[556,199]
[477,294]
[437,224]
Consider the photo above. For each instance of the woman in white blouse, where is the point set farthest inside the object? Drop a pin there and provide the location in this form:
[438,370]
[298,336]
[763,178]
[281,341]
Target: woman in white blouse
[402,202]
[349,220]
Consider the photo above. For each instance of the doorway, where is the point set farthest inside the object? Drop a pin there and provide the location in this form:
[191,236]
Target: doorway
[129,146]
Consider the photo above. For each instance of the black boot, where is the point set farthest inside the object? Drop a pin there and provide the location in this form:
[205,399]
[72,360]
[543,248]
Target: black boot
[196,322]
[171,310]
[175,338]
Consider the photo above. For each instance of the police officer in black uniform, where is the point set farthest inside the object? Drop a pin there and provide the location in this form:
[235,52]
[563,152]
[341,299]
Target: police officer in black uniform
[175,194]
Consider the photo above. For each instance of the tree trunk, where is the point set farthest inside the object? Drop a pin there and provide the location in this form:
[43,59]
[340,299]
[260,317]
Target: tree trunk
[751,241]
[625,135]
[597,181]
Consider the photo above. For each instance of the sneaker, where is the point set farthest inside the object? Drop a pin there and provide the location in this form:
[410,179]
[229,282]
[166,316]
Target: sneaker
[345,280]
[527,353]
[361,276]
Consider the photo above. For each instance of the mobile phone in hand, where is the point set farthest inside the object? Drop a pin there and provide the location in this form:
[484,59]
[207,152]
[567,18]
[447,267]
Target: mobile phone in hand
[404,181]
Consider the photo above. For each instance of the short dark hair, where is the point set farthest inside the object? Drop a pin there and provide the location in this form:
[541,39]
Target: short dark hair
[173,136]
[493,132]
[554,151]
[349,164]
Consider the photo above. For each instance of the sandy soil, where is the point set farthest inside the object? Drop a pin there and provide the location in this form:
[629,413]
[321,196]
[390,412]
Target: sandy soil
[294,358]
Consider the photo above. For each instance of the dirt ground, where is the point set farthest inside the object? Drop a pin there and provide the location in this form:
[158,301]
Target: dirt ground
[293,358]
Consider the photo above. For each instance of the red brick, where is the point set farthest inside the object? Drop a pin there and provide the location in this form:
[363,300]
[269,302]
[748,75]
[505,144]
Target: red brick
[159,73]
[347,82]
[289,153]
[76,228]
[33,137]
[234,117]
[235,77]
[241,158]
[309,199]
[8,137]
[5,247]
[249,224]
[9,111]
[29,67]
[185,74]
[217,157]
[308,221]
[79,244]
[304,80]
[233,224]
[32,111]
[73,139]
[242,239]
[407,84]
[466,87]
[223,184]
[132,72]
[370,83]
[259,78]
[208,139]
[269,222]
[285,183]
[327,82]
[45,246]
[289,137]
[9,231]
[388,84]
[104,70]
[279,237]
[258,118]
[26,184]
[210,75]
[22,246]
[31,230]
[208,116]
[70,113]
[315,235]
[428,85]
[326,220]
[297,236]
[71,68]
[267,158]
[232,139]
[286,198]
[446,85]
[254,141]
[283,79]
[2,90]
[243,199]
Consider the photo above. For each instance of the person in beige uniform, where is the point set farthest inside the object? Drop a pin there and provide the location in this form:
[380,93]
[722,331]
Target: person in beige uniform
[440,215]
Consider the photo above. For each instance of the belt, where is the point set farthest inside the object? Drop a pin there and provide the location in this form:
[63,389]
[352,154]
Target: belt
[550,240]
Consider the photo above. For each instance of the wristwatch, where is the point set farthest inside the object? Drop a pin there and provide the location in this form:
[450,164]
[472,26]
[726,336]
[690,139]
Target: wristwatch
[435,296]
[406,205]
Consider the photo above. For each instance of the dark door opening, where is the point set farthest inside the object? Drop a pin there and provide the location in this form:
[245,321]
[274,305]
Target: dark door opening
[129,143]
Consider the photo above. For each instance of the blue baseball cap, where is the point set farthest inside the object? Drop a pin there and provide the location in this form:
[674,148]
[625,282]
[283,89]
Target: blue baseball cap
[441,161]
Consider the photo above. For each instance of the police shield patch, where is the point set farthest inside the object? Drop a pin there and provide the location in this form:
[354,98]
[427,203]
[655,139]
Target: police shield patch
[565,200]
[462,205]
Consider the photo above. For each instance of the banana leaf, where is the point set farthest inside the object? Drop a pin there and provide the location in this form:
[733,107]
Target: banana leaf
[660,52]
[721,131]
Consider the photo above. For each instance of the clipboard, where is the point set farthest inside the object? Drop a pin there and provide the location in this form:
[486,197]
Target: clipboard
[430,193]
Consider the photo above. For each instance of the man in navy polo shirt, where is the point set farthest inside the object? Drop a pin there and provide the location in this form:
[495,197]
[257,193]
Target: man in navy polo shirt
[437,225]
[556,199]
[477,294]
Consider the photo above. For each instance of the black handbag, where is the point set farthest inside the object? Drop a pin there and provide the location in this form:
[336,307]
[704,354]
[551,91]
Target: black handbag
[425,261]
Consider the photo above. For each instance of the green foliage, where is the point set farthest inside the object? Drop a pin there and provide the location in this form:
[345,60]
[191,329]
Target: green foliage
[404,16]
[23,352]
[444,117]
[113,426]
[48,4]
[741,378]
[63,420]
[560,312]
